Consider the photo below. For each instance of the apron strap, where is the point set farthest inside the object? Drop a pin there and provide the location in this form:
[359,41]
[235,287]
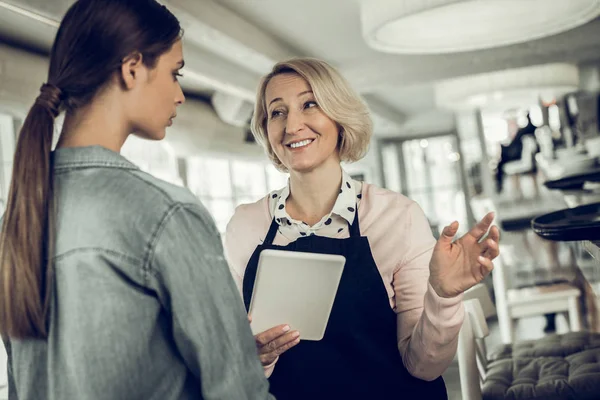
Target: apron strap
[272,232]
[355,227]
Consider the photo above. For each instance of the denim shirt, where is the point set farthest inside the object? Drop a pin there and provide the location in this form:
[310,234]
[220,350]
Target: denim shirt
[143,303]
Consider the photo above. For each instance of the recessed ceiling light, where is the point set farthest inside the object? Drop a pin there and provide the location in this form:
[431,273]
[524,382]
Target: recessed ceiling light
[445,26]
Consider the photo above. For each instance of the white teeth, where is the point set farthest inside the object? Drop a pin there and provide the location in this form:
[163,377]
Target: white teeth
[301,144]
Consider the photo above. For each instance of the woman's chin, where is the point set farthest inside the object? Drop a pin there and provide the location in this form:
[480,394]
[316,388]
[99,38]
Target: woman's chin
[156,134]
[304,166]
[301,166]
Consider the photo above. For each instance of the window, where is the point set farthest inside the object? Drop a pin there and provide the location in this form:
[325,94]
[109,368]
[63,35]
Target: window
[427,170]
[153,157]
[391,166]
[223,184]
[7,150]
[433,179]
[249,180]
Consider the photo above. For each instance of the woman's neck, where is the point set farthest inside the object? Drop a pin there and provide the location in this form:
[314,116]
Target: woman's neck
[98,124]
[313,194]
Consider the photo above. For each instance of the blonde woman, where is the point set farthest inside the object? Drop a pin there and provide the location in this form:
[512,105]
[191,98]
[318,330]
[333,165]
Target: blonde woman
[394,326]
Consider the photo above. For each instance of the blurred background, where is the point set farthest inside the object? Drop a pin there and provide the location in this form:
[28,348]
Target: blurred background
[477,105]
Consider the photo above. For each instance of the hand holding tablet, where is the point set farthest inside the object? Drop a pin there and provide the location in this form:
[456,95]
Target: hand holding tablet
[274,342]
[295,289]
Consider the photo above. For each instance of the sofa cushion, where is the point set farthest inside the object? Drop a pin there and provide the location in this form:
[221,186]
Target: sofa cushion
[574,377]
[548,346]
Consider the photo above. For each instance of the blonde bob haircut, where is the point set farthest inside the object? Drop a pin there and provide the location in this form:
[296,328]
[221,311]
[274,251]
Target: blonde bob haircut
[333,95]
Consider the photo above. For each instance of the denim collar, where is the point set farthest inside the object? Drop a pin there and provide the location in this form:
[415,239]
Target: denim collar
[92,156]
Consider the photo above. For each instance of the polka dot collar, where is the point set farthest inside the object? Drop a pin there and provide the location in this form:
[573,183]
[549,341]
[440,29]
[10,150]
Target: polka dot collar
[343,211]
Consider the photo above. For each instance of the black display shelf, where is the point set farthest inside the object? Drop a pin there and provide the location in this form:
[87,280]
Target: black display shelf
[571,224]
[574,181]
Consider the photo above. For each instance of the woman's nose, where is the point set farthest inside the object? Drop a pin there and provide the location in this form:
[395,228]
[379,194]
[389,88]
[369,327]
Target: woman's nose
[294,122]
[180,98]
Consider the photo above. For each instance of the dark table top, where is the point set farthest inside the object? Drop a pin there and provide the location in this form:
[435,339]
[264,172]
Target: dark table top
[517,215]
[569,224]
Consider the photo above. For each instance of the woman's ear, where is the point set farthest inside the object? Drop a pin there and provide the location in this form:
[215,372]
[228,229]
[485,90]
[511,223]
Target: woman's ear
[132,70]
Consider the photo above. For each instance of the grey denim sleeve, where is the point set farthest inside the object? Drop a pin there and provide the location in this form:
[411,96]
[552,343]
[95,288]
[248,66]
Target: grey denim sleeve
[210,325]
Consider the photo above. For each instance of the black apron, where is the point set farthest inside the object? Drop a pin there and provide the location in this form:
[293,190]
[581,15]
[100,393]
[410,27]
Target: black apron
[358,358]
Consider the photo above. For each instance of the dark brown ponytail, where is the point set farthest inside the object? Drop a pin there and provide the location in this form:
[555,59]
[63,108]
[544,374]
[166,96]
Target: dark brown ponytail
[94,38]
[26,230]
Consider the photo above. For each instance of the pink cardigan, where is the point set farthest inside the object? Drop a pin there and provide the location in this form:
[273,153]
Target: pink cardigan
[401,244]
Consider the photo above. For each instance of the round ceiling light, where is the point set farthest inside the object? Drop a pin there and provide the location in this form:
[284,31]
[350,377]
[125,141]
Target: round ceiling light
[520,87]
[446,26]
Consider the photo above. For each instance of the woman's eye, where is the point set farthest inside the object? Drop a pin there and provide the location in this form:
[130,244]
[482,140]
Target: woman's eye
[177,75]
[310,104]
[275,113]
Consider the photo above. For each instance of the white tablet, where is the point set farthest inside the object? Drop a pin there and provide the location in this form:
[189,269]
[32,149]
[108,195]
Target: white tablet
[297,289]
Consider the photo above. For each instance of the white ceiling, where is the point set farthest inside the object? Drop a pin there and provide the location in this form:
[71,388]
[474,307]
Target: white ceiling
[331,30]
[411,99]
[229,43]
[318,28]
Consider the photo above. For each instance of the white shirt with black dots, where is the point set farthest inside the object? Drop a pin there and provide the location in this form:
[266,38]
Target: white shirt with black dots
[330,225]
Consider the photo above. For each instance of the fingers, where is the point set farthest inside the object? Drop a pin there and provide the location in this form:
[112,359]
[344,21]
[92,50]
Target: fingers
[494,234]
[449,232]
[276,345]
[481,228]
[490,246]
[269,335]
[486,266]
[269,352]
[489,249]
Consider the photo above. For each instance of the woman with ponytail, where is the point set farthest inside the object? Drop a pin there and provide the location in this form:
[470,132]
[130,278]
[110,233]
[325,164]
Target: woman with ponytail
[112,283]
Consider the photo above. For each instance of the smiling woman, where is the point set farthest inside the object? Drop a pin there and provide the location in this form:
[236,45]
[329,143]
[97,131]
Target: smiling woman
[299,149]
[398,308]
[306,85]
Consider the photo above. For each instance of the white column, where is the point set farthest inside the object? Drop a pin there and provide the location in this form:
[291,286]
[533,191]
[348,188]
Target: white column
[469,125]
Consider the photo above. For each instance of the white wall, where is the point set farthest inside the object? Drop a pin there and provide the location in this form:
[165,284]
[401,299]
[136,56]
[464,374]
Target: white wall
[197,129]
[589,77]
[429,123]
[21,75]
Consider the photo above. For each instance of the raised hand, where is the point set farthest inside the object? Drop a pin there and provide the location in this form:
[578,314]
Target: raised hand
[459,265]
